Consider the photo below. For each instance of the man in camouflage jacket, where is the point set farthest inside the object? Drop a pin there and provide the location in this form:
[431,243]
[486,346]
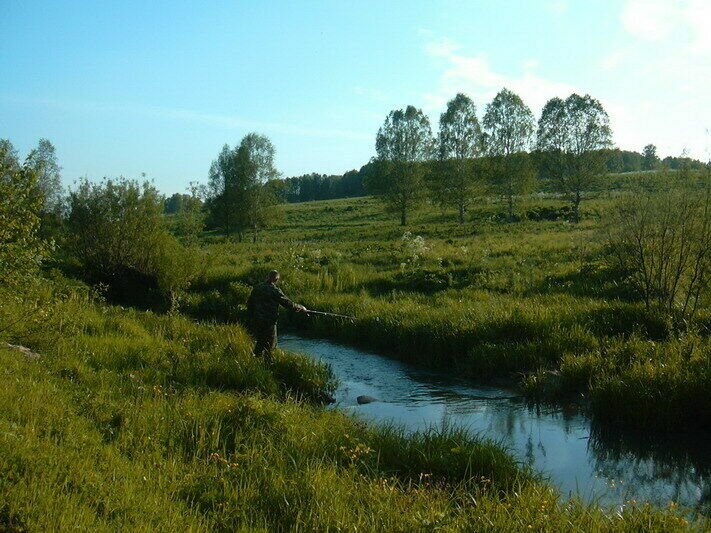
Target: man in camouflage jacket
[263,311]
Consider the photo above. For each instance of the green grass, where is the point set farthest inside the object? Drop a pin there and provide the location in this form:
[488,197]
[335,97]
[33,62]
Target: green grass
[137,421]
[535,301]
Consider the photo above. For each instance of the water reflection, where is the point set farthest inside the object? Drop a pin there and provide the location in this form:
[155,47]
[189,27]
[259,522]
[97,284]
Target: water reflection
[679,463]
[602,465]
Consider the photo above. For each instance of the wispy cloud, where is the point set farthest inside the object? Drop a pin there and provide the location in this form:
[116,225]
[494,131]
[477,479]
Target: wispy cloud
[557,7]
[474,75]
[669,46]
[216,120]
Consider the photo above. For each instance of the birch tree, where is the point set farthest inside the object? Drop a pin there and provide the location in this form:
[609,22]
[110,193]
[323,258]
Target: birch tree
[509,126]
[459,143]
[404,145]
[572,135]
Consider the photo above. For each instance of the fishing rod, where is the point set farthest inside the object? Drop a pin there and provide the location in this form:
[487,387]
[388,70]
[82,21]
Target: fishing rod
[322,313]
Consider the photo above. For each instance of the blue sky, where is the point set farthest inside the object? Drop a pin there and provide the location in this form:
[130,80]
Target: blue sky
[158,87]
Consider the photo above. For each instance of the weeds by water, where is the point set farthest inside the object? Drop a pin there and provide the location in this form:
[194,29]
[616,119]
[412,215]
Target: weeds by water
[135,421]
[535,300]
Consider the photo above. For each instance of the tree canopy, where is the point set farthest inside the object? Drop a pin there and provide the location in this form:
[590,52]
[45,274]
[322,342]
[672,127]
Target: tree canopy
[21,248]
[459,143]
[509,127]
[240,189]
[571,136]
[403,144]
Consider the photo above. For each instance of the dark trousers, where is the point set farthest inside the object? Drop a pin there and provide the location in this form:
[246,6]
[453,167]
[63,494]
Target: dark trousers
[265,336]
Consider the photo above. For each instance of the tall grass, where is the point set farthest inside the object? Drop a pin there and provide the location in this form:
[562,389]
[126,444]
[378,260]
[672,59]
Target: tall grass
[535,301]
[113,430]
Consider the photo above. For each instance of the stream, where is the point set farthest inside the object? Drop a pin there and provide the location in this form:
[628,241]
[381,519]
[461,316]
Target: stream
[607,467]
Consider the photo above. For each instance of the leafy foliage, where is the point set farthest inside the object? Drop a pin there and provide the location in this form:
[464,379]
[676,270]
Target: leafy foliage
[403,144]
[21,249]
[509,127]
[459,179]
[242,188]
[571,136]
[43,161]
[117,237]
[664,243]
[650,159]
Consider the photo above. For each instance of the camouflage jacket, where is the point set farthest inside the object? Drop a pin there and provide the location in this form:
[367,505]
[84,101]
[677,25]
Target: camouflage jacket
[263,304]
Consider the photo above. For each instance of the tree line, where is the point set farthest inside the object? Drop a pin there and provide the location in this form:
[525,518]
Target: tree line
[351,184]
[570,146]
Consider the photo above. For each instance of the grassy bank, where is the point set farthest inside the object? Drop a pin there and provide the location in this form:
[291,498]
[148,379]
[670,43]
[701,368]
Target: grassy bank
[534,300]
[135,421]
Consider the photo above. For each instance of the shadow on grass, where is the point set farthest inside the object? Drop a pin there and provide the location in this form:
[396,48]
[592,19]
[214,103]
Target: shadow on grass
[592,280]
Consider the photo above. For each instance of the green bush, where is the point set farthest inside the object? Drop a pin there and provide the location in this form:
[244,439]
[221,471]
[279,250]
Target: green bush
[21,249]
[663,243]
[117,236]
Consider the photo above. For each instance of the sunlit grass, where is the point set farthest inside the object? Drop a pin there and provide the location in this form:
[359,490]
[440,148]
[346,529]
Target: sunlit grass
[112,430]
[534,300]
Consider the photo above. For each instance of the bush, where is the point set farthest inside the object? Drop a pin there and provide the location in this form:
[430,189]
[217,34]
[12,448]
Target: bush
[20,203]
[117,235]
[663,243]
[543,212]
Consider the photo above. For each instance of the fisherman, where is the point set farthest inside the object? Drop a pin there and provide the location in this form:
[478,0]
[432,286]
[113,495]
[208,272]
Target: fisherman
[263,312]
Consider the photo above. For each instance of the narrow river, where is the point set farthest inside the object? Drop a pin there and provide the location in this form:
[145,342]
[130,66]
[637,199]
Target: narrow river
[605,467]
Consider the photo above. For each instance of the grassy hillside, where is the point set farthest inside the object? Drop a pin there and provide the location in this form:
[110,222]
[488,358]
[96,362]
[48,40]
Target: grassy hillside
[133,421]
[136,420]
[536,301]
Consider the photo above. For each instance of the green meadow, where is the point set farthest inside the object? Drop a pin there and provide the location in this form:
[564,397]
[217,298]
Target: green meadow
[521,297]
[131,420]
[536,303]
[123,418]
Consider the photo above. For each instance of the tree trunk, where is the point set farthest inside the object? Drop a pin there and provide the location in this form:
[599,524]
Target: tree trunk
[403,218]
[461,213]
[511,211]
[576,208]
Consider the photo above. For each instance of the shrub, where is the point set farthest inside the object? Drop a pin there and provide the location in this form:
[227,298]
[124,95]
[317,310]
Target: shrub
[545,212]
[663,242]
[117,235]
[20,203]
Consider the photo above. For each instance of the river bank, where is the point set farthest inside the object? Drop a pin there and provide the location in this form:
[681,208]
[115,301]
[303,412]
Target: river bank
[603,466]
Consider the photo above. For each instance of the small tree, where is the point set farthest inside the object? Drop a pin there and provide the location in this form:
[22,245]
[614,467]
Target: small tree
[404,145]
[572,136]
[189,217]
[650,161]
[117,236]
[254,166]
[222,190]
[614,161]
[459,142]
[663,242]
[43,161]
[240,197]
[21,248]
[509,126]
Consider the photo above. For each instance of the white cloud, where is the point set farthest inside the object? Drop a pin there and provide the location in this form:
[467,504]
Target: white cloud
[557,7]
[655,88]
[654,20]
[663,76]
[474,75]
[651,19]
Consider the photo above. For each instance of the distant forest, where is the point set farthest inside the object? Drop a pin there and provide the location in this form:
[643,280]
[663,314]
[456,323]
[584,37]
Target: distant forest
[309,187]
